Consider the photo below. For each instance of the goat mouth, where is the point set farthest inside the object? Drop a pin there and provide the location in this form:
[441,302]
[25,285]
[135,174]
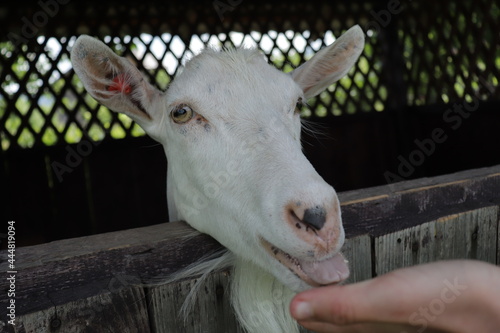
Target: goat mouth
[315,273]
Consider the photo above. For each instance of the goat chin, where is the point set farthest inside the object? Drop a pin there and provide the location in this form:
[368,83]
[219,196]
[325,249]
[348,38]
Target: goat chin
[260,301]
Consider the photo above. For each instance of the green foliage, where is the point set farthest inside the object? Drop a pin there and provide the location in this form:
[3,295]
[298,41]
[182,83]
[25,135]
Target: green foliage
[54,112]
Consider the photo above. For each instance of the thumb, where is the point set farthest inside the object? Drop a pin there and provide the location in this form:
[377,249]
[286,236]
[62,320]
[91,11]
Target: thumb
[377,300]
[339,305]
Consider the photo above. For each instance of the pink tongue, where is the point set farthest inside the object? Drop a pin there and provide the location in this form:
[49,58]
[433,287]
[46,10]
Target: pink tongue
[327,271]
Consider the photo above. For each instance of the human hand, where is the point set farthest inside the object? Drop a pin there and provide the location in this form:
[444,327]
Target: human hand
[449,296]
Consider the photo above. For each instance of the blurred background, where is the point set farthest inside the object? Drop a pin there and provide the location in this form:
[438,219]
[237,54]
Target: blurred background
[423,99]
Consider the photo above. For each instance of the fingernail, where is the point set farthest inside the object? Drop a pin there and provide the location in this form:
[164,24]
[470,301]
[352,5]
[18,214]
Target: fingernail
[303,310]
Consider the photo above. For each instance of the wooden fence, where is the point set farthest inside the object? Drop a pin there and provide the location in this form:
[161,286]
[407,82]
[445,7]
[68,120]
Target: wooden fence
[420,67]
[93,284]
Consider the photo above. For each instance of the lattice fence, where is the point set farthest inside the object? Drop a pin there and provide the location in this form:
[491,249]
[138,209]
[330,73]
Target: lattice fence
[416,54]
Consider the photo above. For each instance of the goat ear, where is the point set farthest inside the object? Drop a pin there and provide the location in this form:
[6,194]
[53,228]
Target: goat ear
[331,63]
[113,81]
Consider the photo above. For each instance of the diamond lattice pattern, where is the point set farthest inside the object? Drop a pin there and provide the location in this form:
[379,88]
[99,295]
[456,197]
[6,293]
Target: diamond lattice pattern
[445,58]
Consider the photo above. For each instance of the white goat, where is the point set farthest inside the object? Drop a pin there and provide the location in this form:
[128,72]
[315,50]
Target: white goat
[230,127]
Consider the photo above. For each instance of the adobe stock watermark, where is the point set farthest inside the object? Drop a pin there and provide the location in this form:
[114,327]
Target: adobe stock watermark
[383,17]
[454,117]
[218,181]
[436,307]
[118,283]
[30,28]
[74,157]
[222,7]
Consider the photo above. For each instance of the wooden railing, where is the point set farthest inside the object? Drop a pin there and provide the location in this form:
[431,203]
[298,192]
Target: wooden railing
[95,283]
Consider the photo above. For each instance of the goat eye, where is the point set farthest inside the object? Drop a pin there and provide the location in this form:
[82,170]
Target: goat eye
[182,114]
[299,105]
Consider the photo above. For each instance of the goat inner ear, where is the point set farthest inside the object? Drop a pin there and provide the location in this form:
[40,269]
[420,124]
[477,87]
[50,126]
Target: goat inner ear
[114,81]
[120,84]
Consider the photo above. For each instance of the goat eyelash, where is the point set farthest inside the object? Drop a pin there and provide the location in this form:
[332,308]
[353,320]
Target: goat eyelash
[301,105]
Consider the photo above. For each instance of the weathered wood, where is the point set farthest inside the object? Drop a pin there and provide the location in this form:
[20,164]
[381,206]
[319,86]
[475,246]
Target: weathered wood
[386,209]
[39,321]
[114,311]
[76,284]
[67,270]
[211,313]
[498,239]
[353,249]
[467,235]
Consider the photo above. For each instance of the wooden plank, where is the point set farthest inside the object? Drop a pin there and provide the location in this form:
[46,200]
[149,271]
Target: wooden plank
[212,311]
[165,301]
[348,197]
[126,240]
[39,321]
[467,235]
[471,235]
[357,251]
[390,208]
[73,269]
[119,311]
[498,238]
[459,218]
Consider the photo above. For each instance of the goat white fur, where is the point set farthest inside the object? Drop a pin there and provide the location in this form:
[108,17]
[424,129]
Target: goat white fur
[230,128]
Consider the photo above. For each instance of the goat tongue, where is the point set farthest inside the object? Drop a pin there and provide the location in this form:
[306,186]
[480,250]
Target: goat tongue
[327,271]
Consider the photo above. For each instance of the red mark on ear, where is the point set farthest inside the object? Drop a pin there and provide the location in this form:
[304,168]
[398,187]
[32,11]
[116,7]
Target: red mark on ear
[120,85]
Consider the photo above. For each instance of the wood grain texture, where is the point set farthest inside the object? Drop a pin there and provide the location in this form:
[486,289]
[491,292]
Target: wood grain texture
[386,209]
[211,313]
[118,311]
[467,235]
[63,271]
[95,283]
[354,249]
[498,238]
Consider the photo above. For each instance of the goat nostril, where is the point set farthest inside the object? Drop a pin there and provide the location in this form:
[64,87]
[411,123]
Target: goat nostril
[315,217]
